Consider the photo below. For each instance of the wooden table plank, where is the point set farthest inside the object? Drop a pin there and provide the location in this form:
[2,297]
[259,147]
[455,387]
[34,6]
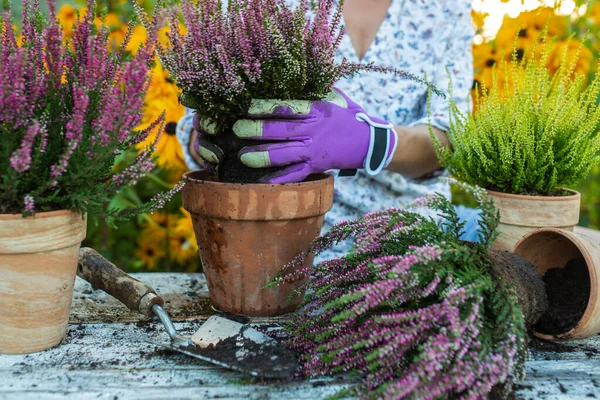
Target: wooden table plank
[105,355]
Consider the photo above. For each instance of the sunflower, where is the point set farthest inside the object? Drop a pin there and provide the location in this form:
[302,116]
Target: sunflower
[535,20]
[168,148]
[159,226]
[184,245]
[484,56]
[138,37]
[524,30]
[149,252]
[67,15]
[574,53]
[479,19]
[117,29]
[163,96]
[162,86]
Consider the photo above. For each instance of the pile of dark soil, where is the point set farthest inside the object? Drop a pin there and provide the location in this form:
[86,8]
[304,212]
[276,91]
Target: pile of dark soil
[568,292]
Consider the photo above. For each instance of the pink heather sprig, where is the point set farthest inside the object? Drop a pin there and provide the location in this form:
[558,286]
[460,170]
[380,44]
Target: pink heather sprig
[73,133]
[407,314]
[29,204]
[20,159]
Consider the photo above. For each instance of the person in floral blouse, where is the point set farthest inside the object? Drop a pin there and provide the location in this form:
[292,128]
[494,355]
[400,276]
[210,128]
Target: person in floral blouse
[427,38]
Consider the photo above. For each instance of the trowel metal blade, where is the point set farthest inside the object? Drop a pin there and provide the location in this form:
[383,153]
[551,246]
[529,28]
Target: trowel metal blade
[243,347]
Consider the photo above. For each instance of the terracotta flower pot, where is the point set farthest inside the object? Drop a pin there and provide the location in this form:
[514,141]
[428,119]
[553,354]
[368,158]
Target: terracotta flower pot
[521,214]
[38,263]
[247,232]
[549,248]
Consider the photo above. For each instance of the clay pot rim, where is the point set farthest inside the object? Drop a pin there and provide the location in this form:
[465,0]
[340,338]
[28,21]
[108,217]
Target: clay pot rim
[574,195]
[38,215]
[591,274]
[319,179]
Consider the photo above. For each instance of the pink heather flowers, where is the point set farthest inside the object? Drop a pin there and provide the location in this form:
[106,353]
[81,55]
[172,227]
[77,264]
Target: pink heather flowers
[67,110]
[255,49]
[411,310]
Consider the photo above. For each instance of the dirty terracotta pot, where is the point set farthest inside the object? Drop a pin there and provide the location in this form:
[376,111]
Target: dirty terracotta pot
[247,232]
[520,214]
[38,262]
[549,248]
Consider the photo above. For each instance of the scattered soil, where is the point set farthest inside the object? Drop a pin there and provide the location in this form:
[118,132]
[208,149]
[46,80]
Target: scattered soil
[568,292]
[531,293]
[231,169]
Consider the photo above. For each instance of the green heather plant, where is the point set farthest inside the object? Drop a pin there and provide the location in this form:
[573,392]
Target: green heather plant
[412,310]
[531,133]
[68,111]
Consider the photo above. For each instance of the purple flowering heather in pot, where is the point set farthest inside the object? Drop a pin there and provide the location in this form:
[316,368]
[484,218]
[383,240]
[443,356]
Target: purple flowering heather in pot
[67,111]
[414,311]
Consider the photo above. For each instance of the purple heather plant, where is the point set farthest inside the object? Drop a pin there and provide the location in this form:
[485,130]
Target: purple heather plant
[67,111]
[413,310]
[256,49]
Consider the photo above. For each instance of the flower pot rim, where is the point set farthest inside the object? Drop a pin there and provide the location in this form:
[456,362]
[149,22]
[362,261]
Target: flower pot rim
[257,202]
[591,274]
[574,194]
[38,215]
[318,179]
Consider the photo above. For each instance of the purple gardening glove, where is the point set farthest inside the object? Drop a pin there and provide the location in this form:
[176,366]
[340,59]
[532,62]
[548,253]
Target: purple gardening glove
[309,137]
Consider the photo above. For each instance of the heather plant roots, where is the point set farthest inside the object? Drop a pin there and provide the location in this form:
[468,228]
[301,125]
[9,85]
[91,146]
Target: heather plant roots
[527,282]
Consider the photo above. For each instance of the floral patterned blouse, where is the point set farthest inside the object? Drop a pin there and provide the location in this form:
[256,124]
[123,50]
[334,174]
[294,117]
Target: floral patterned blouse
[431,37]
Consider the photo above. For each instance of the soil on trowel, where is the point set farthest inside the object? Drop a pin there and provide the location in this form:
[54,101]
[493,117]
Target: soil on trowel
[251,356]
[568,292]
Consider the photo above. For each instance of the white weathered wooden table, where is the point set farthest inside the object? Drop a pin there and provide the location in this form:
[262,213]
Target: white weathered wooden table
[104,356]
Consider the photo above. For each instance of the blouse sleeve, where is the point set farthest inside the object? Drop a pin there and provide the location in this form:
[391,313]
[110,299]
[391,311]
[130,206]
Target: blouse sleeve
[455,59]
[184,134]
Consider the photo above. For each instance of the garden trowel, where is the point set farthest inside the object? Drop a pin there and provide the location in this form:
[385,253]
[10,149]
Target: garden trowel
[219,340]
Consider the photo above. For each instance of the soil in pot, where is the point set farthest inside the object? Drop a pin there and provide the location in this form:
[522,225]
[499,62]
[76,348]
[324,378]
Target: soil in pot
[568,292]
[231,169]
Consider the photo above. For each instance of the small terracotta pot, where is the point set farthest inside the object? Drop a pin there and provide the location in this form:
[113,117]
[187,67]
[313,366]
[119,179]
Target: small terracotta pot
[549,248]
[247,232]
[38,263]
[520,214]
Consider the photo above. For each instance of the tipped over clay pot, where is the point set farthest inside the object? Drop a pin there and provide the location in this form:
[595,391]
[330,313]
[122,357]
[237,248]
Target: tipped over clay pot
[520,214]
[247,232]
[38,262]
[573,291]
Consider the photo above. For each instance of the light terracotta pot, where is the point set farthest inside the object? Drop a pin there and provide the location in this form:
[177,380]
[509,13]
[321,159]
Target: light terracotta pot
[38,262]
[247,232]
[521,214]
[549,248]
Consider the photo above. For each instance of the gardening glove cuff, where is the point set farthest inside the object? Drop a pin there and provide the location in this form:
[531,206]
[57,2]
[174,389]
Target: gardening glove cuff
[185,135]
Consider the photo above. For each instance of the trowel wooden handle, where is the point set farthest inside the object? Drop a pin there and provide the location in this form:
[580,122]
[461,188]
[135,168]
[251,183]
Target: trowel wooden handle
[104,275]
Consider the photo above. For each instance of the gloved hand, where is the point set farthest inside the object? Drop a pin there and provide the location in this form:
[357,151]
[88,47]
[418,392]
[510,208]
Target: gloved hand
[307,137]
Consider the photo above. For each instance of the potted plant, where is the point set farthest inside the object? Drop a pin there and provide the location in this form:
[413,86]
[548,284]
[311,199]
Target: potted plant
[63,126]
[532,137]
[228,65]
[412,310]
